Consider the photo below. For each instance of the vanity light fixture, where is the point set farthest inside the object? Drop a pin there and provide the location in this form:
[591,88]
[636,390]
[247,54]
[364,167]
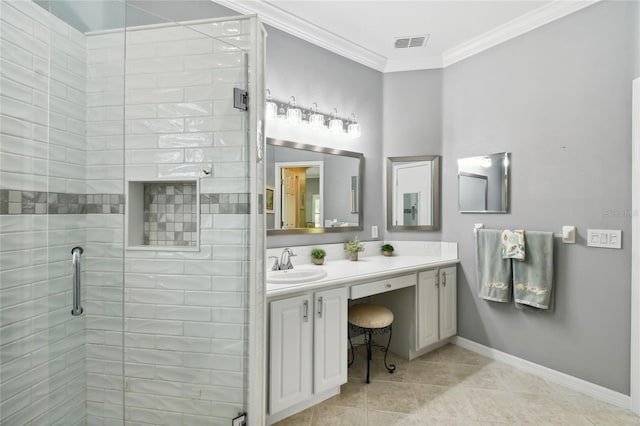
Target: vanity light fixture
[353,129]
[335,124]
[291,113]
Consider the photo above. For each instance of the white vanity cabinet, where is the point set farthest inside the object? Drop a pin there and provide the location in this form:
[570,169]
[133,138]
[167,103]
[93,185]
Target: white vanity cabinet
[307,346]
[436,306]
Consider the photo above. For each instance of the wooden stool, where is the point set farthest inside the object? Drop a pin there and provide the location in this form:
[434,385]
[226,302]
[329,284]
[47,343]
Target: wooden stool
[370,319]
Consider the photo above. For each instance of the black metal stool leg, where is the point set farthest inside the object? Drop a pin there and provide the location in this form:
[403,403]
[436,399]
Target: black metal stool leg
[353,354]
[390,367]
[369,339]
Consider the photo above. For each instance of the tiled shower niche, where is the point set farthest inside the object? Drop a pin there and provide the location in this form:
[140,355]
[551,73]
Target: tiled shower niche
[163,215]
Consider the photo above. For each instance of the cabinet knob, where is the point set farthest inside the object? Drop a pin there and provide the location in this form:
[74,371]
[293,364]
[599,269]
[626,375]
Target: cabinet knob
[444,279]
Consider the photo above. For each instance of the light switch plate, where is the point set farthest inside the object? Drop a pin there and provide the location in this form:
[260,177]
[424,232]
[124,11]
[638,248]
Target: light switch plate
[374,231]
[604,238]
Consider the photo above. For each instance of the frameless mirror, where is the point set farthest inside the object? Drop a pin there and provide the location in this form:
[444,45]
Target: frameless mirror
[312,189]
[483,183]
[413,193]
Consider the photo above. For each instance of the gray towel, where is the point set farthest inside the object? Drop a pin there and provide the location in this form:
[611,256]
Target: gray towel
[533,277]
[493,272]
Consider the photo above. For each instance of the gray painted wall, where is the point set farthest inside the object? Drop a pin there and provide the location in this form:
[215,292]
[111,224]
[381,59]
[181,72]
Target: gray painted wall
[313,74]
[412,114]
[559,99]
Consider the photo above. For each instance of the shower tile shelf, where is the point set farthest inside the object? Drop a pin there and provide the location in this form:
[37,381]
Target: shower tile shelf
[163,215]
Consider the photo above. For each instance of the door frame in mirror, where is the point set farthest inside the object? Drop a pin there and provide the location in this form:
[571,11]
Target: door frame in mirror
[435,191]
[325,150]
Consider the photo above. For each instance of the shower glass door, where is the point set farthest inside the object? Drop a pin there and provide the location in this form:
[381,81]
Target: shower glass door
[61,190]
[130,257]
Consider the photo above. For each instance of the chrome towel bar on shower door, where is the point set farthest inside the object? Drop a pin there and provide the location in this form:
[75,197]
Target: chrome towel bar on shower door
[76,252]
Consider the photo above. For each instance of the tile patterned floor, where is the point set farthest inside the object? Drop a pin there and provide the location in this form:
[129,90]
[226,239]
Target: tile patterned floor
[453,386]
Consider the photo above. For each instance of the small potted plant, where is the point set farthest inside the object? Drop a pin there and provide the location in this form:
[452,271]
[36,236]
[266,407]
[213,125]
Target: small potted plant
[387,249]
[353,247]
[317,256]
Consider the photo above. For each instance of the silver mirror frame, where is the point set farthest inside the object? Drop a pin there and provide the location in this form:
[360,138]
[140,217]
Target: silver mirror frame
[435,187]
[324,150]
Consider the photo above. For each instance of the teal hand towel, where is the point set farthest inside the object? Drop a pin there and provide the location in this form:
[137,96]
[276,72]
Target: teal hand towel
[533,277]
[493,272]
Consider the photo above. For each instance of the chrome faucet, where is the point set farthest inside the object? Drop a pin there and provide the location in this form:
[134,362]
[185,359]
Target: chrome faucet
[276,265]
[285,259]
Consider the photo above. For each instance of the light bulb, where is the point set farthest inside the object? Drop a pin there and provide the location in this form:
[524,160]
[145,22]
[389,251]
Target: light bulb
[271,109]
[353,129]
[316,121]
[294,115]
[335,124]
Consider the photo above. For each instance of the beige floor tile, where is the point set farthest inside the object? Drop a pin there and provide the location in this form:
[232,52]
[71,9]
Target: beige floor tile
[301,419]
[443,402]
[453,386]
[613,418]
[390,396]
[333,416]
[380,418]
[351,395]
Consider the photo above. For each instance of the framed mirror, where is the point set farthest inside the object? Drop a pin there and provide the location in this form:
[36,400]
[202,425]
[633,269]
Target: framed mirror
[413,193]
[483,183]
[315,189]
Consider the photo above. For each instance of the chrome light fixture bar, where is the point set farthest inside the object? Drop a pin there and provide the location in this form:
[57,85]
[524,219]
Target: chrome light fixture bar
[291,113]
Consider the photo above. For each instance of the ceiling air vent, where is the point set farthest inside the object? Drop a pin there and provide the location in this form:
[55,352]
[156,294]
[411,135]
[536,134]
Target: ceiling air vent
[413,41]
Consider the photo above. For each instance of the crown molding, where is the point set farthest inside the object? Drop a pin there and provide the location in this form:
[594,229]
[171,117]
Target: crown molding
[512,29]
[413,64]
[283,20]
[272,15]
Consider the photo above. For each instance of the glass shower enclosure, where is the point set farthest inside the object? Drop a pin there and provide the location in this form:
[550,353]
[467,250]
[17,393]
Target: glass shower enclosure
[131,223]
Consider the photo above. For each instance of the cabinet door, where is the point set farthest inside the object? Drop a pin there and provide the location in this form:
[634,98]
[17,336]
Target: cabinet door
[427,308]
[448,296]
[330,339]
[290,356]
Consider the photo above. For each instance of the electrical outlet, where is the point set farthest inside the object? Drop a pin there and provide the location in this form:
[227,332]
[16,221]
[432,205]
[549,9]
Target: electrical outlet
[241,420]
[604,238]
[374,231]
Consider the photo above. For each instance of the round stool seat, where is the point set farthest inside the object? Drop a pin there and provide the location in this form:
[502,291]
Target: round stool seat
[367,315]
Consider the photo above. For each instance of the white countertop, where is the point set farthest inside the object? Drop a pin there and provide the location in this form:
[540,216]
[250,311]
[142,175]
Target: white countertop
[366,269]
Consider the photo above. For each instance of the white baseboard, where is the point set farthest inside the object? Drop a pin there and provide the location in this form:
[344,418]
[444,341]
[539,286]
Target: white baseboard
[591,389]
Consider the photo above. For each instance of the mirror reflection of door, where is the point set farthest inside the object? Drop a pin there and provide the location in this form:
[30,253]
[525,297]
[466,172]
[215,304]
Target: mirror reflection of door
[410,209]
[412,205]
[299,195]
[293,189]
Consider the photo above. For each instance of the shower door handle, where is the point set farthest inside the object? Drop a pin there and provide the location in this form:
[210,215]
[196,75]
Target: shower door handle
[77,310]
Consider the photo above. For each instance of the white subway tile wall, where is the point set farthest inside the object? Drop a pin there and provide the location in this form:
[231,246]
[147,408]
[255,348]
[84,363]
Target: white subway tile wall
[185,314]
[42,152]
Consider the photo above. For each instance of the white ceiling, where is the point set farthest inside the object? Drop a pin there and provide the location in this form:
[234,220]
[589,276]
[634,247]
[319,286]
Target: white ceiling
[364,30]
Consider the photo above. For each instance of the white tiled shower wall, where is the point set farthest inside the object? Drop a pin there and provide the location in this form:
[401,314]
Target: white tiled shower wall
[185,312]
[42,369]
[185,330]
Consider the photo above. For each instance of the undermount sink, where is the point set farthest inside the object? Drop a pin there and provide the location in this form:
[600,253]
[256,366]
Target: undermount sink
[295,276]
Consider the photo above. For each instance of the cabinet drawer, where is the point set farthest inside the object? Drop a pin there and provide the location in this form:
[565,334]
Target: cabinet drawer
[375,287]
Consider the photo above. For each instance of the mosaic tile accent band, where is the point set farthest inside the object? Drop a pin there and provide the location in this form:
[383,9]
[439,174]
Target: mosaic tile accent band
[35,202]
[237,203]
